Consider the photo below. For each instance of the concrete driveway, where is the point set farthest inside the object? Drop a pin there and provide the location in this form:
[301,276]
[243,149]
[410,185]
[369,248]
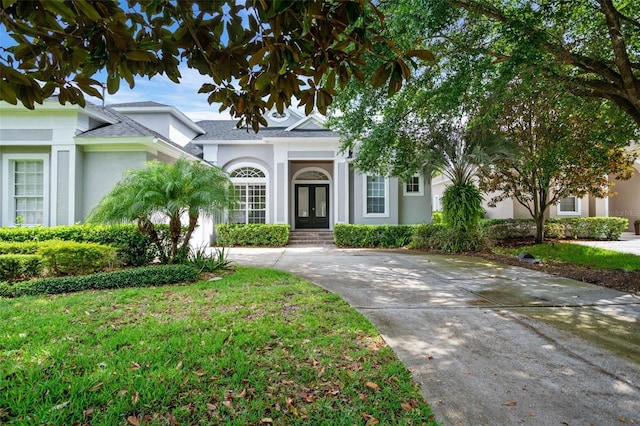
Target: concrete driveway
[488,343]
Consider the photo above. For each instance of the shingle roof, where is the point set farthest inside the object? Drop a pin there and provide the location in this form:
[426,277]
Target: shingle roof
[127,127]
[145,104]
[226,130]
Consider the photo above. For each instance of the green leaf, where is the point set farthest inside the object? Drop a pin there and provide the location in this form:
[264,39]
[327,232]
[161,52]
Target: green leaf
[86,9]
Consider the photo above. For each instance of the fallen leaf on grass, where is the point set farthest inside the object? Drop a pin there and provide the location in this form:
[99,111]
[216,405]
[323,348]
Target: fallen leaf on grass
[227,404]
[372,385]
[510,403]
[179,366]
[172,420]
[266,420]
[96,387]
[406,406]
[135,365]
[60,406]
[134,398]
[133,420]
[211,407]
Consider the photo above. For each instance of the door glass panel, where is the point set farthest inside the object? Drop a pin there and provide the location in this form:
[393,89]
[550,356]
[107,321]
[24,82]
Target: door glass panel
[303,201]
[321,201]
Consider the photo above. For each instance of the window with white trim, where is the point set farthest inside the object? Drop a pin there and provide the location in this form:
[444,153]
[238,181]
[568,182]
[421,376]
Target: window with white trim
[250,185]
[26,194]
[414,186]
[569,206]
[436,203]
[376,196]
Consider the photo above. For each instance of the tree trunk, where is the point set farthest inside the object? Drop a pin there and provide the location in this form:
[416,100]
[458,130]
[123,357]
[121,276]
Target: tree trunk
[539,219]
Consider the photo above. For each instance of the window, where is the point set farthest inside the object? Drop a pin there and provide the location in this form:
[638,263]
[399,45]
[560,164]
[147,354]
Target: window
[250,185]
[26,194]
[376,196]
[414,186]
[436,203]
[569,206]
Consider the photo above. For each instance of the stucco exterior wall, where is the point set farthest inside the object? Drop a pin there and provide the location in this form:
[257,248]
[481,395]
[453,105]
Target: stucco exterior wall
[626,203]
[101,171]
[414,209]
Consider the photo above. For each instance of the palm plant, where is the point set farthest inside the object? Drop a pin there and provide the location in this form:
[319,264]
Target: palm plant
[457,151]
[162,192]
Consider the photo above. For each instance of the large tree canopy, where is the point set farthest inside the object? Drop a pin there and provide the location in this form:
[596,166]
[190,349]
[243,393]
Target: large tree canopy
[592,46]
[258,53]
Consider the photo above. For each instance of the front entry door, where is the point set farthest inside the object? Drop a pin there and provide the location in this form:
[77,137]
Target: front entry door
[312,206]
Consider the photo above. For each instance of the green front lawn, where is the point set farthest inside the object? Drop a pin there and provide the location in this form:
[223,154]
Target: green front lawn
[257,347]
[592,257]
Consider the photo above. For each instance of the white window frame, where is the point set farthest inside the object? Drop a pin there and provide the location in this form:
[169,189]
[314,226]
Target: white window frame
[8,206]
[364,197]
[248,181]
[576,212]
[436,204]
[419,193]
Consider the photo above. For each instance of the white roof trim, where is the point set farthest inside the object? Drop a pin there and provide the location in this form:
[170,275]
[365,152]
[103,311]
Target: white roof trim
[305,120]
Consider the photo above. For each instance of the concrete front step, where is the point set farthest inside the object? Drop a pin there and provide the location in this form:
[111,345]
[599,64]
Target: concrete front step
[311,238]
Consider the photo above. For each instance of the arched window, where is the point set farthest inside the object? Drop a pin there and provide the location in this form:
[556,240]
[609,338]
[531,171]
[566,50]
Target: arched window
[247,172]
[312,175]
[250,184]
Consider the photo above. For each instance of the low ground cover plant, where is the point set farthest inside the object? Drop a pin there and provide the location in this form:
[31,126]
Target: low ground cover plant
[136,277]
[252,234]
[257,347]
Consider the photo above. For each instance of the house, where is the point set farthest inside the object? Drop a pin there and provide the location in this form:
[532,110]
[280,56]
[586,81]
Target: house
[57,161]
[624,203]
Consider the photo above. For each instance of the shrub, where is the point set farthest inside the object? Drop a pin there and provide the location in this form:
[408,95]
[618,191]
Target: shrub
[139,277]
[72,258]
[134,248]
[347,235]
[502,229]
[593,228]
[421,238]
[609,228]
[253,234]
[441,238]
[26,247]
[437,218]
[20,266]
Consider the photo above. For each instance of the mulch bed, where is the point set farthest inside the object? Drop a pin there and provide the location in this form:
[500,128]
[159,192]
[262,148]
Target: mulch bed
[617,279]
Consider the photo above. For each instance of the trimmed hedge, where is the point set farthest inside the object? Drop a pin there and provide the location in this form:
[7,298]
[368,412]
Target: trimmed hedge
[134,248]
[139,277]
[252,234]
[389,236]
[73,258]
[23,247]
[20,266]
[593,228]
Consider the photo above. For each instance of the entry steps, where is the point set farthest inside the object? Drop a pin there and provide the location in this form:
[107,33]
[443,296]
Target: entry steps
[310,238]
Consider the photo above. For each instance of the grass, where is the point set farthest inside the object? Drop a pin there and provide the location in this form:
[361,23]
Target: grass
[592,257]
[256,347]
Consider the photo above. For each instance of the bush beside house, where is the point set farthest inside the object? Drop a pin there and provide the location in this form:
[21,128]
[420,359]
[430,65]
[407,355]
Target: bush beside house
[253,234]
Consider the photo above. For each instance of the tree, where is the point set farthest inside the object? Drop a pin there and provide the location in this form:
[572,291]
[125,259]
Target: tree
[563,146]
[160,192]
[258,53]
[591,46]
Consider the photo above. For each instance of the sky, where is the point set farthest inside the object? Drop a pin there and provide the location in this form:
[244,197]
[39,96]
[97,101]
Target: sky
[183,96]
